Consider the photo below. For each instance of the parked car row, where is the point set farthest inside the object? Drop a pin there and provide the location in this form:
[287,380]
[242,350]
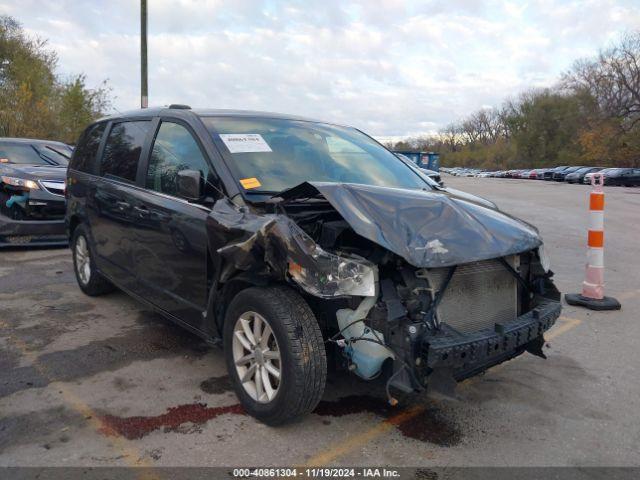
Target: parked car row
[570,174]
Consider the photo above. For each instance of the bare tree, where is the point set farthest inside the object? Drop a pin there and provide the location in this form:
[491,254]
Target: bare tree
[613,79]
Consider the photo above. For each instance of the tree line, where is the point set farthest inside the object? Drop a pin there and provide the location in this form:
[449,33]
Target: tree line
[591,116]
[34,101]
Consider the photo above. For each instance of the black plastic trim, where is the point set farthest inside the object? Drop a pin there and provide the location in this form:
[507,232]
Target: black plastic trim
[450,349]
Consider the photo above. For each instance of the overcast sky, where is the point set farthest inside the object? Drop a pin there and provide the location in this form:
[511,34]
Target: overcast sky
[389,67]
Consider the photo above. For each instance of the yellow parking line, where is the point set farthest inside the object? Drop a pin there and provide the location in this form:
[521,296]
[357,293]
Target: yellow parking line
[364,437]
[567,324]
[360,439]
[130,454]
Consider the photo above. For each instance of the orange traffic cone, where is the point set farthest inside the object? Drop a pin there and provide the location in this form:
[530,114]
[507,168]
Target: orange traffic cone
[592,295]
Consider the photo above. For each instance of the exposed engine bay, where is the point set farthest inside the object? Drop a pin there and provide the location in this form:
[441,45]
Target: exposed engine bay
[395,286]
[412,305]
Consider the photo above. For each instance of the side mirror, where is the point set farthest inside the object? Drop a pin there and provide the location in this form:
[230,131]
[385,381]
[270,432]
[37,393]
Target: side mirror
[190,184]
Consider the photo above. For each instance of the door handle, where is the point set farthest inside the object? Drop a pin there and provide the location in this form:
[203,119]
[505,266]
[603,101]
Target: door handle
[142,211]
[123,205]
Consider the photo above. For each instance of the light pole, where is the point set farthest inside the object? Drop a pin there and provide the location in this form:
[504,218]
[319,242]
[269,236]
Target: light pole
[144,94]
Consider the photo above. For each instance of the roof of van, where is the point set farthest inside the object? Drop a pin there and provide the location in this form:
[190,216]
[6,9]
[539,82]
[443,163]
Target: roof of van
[205,112]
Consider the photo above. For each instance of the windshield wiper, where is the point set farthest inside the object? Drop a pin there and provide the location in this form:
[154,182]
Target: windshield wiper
[59,152]
[261,192]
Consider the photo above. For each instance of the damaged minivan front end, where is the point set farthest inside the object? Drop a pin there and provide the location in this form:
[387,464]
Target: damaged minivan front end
[422,286]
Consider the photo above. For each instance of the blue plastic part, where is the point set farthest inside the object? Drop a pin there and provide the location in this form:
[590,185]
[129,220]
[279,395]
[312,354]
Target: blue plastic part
[19,199]
[367,366]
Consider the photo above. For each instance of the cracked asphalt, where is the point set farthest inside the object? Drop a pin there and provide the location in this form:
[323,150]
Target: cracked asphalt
[104,382]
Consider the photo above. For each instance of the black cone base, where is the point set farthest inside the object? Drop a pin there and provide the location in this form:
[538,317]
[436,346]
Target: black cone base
[607,303]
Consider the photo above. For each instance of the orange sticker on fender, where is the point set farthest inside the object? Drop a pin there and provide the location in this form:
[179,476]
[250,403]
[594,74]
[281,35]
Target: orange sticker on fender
[249,183]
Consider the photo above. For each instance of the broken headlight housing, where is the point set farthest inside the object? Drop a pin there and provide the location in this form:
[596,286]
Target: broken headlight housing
[545,261]
[20,183]
[334,276]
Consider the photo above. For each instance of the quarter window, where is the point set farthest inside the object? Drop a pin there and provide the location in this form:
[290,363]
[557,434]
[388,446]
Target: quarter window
[174,150]
[85,152]
[122,151]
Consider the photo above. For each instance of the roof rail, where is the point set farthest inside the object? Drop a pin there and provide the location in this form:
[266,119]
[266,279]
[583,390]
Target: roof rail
[179,106]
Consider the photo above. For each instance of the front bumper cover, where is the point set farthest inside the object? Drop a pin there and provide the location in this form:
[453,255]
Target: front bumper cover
[31,232]
[468,354]
[43,224]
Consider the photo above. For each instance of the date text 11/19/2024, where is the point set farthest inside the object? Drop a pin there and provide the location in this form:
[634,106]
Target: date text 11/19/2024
[364,472]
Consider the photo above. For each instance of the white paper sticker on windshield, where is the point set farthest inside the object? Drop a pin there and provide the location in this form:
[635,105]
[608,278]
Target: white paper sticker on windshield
[245,142]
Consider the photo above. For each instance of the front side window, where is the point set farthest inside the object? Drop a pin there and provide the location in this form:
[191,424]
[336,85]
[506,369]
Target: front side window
[122,151]
[174,150]
[271,155]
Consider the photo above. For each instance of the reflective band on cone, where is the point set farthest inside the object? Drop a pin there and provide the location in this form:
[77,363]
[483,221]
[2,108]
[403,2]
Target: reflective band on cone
[596,221]
[596,239]
[596,201]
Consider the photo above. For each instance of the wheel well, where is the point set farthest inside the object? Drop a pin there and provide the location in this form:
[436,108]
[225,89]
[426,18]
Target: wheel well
[73,223]
[232,288]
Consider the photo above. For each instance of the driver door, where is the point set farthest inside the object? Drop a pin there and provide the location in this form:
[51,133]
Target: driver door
[170,247]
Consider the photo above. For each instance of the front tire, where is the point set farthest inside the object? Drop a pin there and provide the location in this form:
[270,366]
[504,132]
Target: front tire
[87,276]
[275,354]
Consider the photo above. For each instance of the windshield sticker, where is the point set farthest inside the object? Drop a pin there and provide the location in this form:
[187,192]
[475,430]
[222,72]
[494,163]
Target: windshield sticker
[245,142]
[249,183]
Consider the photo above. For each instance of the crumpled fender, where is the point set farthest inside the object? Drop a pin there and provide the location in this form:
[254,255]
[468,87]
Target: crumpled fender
[429,229]
[261,243]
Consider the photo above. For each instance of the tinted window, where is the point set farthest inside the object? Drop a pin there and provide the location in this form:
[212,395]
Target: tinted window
[174,150]
[122,151]
[85,152]
[271,155]
[24,154]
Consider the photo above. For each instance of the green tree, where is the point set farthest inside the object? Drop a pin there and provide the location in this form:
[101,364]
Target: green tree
[34,102]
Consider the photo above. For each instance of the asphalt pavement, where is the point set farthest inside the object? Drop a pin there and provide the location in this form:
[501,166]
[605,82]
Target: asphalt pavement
[105,382]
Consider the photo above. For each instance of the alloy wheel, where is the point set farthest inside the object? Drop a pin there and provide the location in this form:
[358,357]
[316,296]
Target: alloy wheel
[256,356]
[83,260]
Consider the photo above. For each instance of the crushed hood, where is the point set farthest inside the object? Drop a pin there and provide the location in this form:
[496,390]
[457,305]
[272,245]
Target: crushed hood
[428,229]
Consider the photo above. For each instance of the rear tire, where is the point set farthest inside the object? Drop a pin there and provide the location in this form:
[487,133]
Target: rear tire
[89,280]
[294,349]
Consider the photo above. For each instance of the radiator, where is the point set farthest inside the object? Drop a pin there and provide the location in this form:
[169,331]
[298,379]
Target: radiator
[479,295]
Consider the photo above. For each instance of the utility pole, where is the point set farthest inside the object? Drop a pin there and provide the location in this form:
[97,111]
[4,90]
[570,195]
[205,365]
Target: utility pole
[144,94]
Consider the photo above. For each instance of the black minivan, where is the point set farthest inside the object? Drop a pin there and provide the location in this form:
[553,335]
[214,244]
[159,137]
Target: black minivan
[291,241]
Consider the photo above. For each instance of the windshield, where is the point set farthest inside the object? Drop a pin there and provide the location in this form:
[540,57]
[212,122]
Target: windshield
[23,154]
[271,155]
[59,154]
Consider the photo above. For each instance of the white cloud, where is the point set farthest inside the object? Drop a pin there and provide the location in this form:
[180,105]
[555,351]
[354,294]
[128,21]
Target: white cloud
[389,67]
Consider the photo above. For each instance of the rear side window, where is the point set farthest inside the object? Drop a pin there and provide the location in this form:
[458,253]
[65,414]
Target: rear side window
[85,152]
[122,150]
[174,150]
